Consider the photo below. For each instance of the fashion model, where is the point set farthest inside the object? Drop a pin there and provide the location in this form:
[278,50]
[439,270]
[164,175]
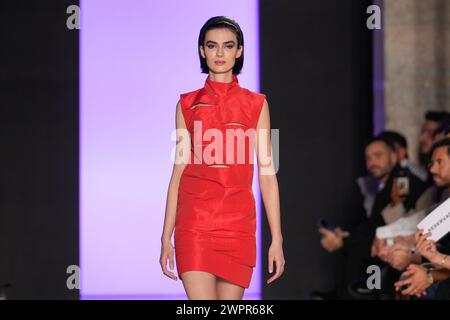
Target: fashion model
[210,203]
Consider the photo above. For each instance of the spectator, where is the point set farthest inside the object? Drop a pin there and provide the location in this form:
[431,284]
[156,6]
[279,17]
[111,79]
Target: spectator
[382,163]
[401,149]
[418,278]
[433,119]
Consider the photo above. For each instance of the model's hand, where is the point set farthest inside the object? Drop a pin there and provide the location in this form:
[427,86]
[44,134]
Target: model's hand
[276,255]
[167,253]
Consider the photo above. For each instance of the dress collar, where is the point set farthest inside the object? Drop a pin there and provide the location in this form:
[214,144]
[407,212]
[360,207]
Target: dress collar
[221,88]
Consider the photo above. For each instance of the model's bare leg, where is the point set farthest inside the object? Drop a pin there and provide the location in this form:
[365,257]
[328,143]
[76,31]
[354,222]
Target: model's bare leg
[228,291]
[199,285]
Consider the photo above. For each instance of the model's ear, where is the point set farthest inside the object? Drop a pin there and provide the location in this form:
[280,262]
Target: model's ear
[202,52]
[239,52]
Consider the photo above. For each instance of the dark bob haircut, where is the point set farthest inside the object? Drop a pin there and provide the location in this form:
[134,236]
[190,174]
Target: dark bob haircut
[217,23]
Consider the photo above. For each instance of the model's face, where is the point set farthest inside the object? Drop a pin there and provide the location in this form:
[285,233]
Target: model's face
[380,159]
[426,136]
[440,167]
[220,50]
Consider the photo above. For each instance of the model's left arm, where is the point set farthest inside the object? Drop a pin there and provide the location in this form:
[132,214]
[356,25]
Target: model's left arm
[269,189]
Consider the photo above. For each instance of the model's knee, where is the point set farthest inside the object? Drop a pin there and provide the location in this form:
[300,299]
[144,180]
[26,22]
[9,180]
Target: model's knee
[227,290]
[199,285]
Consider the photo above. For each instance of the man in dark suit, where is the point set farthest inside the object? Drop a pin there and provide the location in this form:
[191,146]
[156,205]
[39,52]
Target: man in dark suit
[356,243]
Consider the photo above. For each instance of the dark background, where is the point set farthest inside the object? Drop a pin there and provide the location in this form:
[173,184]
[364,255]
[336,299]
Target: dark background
[39,147]
[316,69]
[316,63]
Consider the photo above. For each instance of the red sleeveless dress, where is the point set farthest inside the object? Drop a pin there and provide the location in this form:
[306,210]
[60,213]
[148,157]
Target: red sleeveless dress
[216,218]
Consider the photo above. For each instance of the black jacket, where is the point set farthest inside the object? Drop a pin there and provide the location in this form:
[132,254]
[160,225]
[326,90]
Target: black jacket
[365,231]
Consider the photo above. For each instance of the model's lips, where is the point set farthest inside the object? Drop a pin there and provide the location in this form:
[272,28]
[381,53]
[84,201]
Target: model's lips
[219,62]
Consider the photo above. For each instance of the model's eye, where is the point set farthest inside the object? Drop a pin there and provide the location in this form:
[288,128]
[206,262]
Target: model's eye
[210,46]
[230,46]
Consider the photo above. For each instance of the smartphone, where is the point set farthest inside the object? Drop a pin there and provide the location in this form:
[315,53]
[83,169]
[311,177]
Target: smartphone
[322,223]
[402,182]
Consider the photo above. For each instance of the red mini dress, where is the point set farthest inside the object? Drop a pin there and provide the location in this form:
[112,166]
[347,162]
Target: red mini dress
[215,226]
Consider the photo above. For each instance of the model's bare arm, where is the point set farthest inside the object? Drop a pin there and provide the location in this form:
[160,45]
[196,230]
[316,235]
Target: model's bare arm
[270,193]
[167,251]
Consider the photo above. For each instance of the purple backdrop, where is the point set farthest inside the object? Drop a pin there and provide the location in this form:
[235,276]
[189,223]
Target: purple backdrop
[136,58]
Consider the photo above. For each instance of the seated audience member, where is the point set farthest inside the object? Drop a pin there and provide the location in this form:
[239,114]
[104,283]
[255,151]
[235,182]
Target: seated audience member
[442,130]
[401,149]
[399,256]
[382,163]
[368,184]
[418,277]
[433,119]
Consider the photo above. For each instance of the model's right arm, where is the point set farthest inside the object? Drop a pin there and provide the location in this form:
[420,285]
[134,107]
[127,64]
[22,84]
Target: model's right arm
[167,251]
